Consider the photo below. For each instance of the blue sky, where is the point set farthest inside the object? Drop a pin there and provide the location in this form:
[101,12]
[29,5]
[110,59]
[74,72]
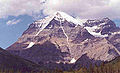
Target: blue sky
[10,33]
[15,15]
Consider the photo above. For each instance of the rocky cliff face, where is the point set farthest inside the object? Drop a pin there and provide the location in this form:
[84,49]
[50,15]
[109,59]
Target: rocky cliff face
[60,38]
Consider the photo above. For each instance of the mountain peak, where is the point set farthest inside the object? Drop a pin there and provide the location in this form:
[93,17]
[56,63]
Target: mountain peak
[58,16]
[62,16]
[59,13]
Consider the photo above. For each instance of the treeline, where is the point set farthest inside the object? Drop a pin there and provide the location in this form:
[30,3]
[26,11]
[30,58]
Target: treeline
[111,67]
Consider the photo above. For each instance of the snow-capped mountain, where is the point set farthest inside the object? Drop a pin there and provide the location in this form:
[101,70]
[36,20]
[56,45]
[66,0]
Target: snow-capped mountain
[60,38]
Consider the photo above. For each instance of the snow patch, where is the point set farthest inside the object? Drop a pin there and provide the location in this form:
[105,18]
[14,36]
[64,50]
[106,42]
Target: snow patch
[73,60]
[65,34]
[30,45]
[102,24]
[116,33]
[91,30]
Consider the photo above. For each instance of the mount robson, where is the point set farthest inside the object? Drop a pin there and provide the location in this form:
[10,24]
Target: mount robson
[60,43]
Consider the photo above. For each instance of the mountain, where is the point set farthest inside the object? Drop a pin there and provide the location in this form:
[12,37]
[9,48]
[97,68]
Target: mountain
[60,39]
[11,62]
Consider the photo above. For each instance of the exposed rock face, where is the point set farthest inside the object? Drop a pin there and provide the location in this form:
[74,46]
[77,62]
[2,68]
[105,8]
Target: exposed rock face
[101,28]
[61,39]
[115,40]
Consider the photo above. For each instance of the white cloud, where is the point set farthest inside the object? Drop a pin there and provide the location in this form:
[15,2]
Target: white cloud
[13,22]
[81,8]
[88,8]
[19,7]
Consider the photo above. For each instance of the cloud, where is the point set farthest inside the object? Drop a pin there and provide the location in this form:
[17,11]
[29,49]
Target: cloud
[19,7]
[80,8]
[13,22]
[87,8]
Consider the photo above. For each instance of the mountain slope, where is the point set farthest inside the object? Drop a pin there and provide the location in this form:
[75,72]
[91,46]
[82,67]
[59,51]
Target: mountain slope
[60,38]
[8,61]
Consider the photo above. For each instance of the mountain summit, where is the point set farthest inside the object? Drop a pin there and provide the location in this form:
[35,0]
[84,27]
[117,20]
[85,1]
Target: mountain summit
[61,17]
[61,40]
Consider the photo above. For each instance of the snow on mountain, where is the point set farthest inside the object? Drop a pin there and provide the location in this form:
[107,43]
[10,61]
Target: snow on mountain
[30,45]
[91,27]
[59,16]
[73,60]
[43,23]
[116,33]
[81,21]
[67,17]
[91,30]
[100,28]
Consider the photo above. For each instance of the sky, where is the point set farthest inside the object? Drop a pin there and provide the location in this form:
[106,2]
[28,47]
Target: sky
[16,15]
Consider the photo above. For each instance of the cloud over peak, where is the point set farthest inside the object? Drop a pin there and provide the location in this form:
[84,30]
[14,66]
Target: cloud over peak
[81,8]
